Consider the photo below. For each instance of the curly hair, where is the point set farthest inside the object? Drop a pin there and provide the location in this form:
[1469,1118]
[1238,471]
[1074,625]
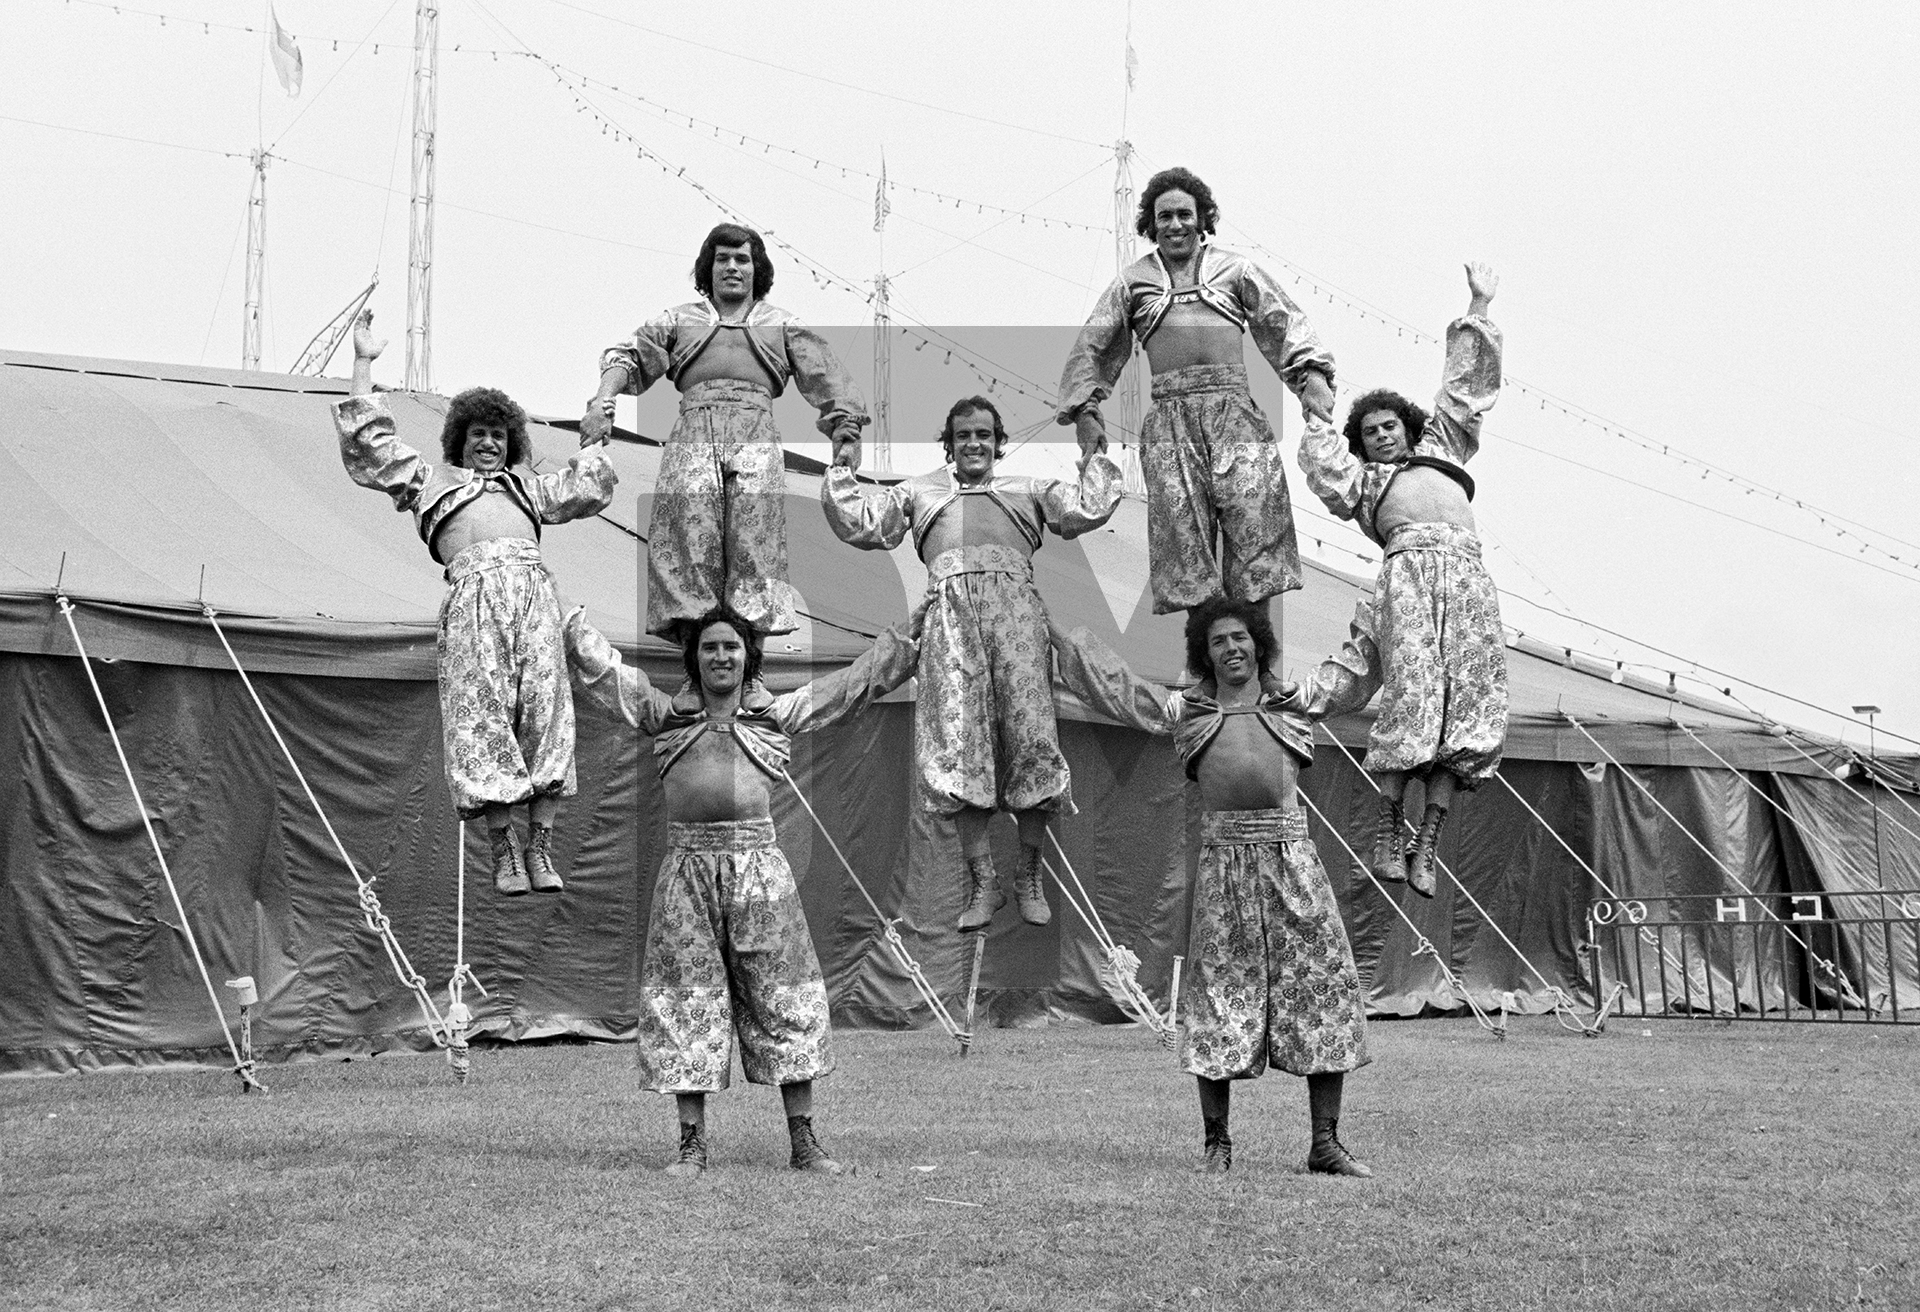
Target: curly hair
[732,234]
[966,405]
[484,405]
[1253,614]
[690,643]
[1412,417]
[1176,179]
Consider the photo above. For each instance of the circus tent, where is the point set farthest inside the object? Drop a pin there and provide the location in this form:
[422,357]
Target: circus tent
[149,494]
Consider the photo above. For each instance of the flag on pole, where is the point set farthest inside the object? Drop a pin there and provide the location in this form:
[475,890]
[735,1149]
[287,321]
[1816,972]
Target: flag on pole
[1133,65]
[286,56]
[881,205]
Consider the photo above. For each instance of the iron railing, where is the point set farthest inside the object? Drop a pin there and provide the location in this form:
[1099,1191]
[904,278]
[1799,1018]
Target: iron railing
[1849,957]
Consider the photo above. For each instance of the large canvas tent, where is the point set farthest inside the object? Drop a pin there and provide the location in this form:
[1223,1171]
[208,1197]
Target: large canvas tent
[144,491]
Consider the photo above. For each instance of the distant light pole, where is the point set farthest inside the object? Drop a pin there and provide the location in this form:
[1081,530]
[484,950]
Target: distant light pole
[1873,794]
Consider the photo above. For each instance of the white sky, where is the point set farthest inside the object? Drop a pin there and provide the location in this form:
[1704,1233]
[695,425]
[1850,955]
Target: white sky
[1703,217]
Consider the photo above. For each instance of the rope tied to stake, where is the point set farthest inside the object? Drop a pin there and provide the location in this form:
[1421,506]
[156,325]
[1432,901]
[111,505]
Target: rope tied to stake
[1119,970]
[889,930]
[370,908]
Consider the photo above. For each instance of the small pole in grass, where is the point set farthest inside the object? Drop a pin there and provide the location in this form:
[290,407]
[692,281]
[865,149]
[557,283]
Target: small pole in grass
[248,995]
[1173,992]
[973,989]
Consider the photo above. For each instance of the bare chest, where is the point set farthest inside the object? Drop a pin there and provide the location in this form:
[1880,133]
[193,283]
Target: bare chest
[492,514]
[1192,333]
[728,355]
[1422,496]
[1245,769]
[714,780]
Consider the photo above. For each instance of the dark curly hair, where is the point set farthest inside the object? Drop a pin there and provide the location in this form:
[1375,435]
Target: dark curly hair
[732,234]
[1253,614]
[690,643]
[484,405]
[967,405]
[1176,179]
[1412,417]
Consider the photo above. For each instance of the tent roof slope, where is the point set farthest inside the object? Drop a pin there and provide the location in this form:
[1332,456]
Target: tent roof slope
[148,489]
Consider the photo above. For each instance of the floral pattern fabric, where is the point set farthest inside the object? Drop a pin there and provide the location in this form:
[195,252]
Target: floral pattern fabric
[729,957]
[984,726]
[1214,472]
[1442,655]
[719,526]
[1271,976]
[506,710]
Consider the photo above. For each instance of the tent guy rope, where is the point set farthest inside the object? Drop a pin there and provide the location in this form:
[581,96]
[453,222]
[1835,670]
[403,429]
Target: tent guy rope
[370,908]
[242,1066]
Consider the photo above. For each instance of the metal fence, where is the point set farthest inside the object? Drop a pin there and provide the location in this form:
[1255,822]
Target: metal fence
[1850,957]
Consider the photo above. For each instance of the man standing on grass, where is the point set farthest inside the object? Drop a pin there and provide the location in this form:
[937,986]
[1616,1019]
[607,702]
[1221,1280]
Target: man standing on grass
[718,535]
[1272,977]
[728,950]
[983,720]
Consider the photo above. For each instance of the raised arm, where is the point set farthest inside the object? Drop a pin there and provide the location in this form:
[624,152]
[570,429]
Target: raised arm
[1094,366]
[873,518]
[1083,505]
[1347,681]
[602,678]
[374,457]
[1287,341]
[1471,383]
[877,671]
[1094,672]
[828,388]
[629,367]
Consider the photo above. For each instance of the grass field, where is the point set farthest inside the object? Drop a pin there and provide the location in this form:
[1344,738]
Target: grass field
[1676,1165]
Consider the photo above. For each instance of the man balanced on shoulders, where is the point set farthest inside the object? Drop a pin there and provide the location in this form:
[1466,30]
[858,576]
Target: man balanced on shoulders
[1219,522]
[505,711]
[728,951]
[1273,980]
[983,726]
[719,528]
[1431,634]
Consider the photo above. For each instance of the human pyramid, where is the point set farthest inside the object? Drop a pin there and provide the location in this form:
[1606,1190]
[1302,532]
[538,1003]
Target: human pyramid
[729,955]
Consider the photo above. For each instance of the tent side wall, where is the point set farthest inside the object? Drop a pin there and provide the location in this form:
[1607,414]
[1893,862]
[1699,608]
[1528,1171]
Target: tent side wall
[95,974]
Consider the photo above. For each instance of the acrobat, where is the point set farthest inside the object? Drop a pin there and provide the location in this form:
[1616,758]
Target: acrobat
[1431,636]
[728,952]
[718,535]
[1219,521]
[506,711]
[983,718]
[1272,977]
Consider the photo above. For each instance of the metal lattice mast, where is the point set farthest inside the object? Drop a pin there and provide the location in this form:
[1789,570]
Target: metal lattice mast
[1126,394]
[426,64]
[256,262]
[882,378]
[882,445]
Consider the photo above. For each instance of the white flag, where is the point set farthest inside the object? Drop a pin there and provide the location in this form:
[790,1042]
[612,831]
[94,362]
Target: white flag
[1133,65]
[286,56]
[882,206]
